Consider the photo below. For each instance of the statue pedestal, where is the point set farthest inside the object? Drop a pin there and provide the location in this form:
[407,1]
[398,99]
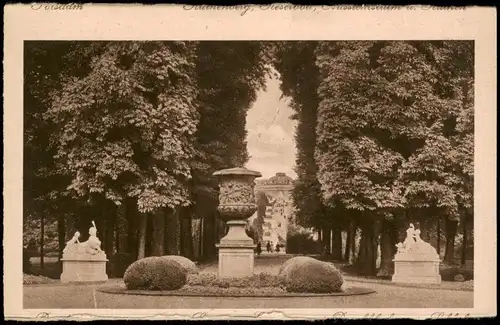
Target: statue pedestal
[84,268]
[236,252]
[411,269]
[416,260]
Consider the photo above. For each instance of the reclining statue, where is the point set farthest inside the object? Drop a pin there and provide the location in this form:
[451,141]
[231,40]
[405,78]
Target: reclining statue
[90,247]
[413,244]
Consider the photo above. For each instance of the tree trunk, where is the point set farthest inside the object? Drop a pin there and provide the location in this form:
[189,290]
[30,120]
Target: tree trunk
[200,229]
[61,233]
[362,249]
[121,229]
[424,229]
[173,233]
[352,257]
[158,233]
[149,233]
[337,243]
[451,232]
[133,220]
[320,235]
[141,249]
[327,237]
[109,233]
[42,240]
[351,232]
[195,229]
[208,243]
[366,262]
[376,238]
[438,239]
[187,249]
[117,240]
[464,242]
[387,248]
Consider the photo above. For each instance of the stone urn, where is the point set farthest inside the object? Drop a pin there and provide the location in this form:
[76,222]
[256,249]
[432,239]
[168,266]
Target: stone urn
[236,205]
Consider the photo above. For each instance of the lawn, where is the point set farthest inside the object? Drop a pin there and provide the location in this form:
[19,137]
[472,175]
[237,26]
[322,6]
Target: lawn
[388,295]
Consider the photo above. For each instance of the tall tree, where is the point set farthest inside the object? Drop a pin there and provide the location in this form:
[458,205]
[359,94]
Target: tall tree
[440,174]
[378,111]
[262,203]
[229,76]
[299,75]
[126,125]
[44,189]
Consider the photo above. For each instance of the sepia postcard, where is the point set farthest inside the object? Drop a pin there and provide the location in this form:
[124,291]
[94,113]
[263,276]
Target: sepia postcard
[249,162]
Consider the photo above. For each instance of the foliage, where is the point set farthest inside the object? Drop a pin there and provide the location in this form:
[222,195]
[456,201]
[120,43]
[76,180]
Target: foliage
[449,273]
[229,74]
[258,222]
[26,261]
[50,269]
[154,273]
[188,265]
[385,128]
[264,292]
[312,276]
[251,232]
[381,141]
[440,174]
[125,127]
[44,63]
[36,279]
[302,243]
[295,62]
[260,280]
[31,236]
[291,263]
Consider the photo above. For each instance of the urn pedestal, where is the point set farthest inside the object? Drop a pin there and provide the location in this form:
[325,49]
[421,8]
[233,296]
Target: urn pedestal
[236,205]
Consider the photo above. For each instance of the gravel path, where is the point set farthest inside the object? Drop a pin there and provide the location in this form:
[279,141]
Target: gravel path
[85,296]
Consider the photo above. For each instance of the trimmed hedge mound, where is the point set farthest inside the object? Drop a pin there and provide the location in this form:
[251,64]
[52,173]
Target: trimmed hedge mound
[186,263]
[308,275]
[155,273]
[292,263]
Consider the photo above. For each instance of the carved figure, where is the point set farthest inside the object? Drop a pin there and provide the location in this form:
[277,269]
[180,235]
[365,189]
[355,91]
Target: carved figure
[93,244]
[90,247]
[417,236]
[70,244]
[413,244]
[410,236]
[401,248]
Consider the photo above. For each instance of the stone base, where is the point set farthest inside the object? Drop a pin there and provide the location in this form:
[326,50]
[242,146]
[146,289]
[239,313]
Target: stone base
[236,261]
[75,271]
[416,279]
[423,272]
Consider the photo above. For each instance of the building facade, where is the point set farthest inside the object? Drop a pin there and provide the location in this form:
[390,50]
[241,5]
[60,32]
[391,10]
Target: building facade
[279,211]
